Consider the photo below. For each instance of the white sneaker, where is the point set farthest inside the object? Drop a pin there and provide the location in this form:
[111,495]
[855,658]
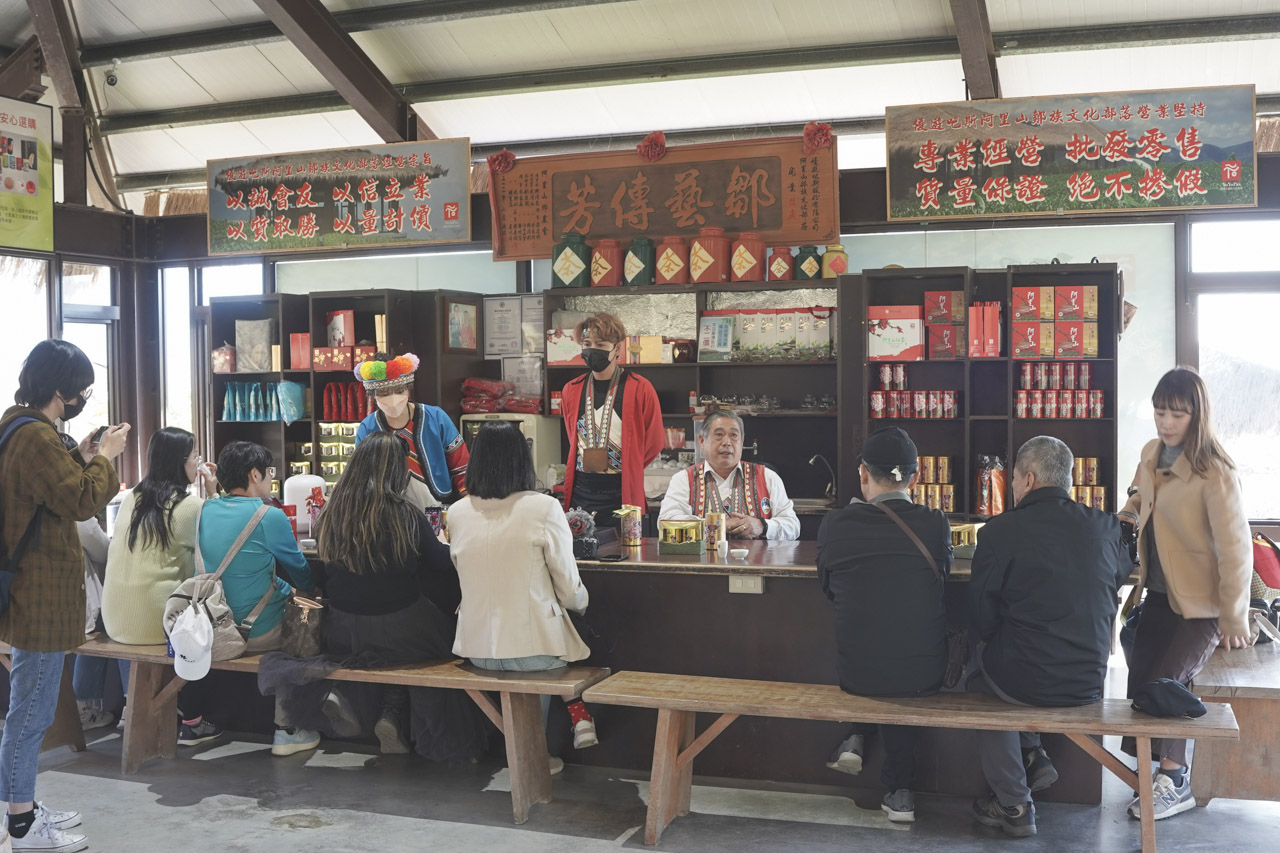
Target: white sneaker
[557,764]
[46,837]
[584,734]
[62,820]
[5,846]
[1170,799]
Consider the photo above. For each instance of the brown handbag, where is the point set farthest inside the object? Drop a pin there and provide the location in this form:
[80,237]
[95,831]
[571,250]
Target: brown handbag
[957,638]
[302,634]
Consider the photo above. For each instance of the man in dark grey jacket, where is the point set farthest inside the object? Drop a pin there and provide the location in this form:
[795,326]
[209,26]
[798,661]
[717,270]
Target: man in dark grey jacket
[887,600]
[1043,602]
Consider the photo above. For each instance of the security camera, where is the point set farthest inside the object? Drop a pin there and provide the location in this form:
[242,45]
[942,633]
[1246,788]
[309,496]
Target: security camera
[112,77]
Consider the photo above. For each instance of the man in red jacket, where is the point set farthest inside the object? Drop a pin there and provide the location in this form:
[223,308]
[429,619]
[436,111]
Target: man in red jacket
[614,425]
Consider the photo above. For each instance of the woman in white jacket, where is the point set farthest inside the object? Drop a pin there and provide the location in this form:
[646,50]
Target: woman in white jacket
[514,555]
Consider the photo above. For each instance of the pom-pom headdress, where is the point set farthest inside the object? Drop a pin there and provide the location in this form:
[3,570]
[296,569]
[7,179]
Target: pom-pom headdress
[393,373]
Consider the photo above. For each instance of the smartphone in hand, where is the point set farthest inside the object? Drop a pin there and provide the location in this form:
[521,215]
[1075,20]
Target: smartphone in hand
[101,431]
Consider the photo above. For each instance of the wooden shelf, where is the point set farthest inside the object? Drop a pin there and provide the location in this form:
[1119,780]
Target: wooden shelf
[765,363]
[720,287]
[582,367]
[1068,420]
[987,418]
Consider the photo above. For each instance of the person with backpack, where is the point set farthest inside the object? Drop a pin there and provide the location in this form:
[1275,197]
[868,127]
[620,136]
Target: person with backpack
[44,491]
[249,581]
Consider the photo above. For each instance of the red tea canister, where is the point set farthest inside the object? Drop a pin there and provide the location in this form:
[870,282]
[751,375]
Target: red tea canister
[746,258]
[919,404]
[782,264]
[672,266]
[1041,377]
[1095,404]
[1069,376]
[1050,404]
[1055,376]
[693,402]
[1083,384]
[709,256]
[891,408]
[1081,407]
[935,404]
[1025,376]
[1020,404]
[886,377]
[949,404]
[555,402]
[1035,409]
[606,264]
[900,377]
[1065,404]
[877,404]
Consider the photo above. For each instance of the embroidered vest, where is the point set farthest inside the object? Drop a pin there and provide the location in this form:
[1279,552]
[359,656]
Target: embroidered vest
[754,494]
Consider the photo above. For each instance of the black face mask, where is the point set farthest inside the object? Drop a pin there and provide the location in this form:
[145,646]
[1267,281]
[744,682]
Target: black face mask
[70,410]
[596,359]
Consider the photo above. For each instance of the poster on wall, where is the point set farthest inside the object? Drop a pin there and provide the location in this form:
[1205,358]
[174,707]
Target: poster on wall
[1168,149]
[780,188]
[405,194]
[26,176]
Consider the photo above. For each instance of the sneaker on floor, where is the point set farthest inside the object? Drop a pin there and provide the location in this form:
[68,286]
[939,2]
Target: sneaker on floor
[199,733]
[389,735]
[557,764]
[1040,770]
[340,714]
[46,837]
[900,806]
[93,717]
[848,756]
[62,820]
[289,741]
[124,717]
[1018,821]
[584,734]
[1170,799]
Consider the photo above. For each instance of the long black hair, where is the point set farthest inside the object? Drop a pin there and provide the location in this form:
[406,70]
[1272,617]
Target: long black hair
[500,462]
[158,494]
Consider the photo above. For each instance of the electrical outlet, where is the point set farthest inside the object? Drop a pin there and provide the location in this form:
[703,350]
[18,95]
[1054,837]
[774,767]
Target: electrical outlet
[753,584]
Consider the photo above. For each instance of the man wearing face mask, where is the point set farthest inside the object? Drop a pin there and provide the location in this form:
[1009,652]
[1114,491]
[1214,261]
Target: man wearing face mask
[614,424]
[434,448]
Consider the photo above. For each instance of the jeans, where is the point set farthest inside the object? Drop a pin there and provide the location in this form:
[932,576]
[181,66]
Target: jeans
[34,682]
[533,663]
[89,677]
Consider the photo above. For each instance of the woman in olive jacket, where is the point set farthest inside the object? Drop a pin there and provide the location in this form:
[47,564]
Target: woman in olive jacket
[45,617]
[1197,561]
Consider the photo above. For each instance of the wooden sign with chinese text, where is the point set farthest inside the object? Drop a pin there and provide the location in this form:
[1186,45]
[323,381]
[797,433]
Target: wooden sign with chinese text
[400,195]
[1157,150]
[768,186]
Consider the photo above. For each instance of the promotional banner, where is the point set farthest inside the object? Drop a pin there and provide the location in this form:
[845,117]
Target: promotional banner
[26,176]
[403,194]
[1160,150]
[780,188]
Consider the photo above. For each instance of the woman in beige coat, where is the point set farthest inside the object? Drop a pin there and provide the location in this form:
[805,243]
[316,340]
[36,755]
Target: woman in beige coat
[514,555]
[1194,547]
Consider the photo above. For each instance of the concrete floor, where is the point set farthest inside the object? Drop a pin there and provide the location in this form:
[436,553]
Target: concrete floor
[234,797]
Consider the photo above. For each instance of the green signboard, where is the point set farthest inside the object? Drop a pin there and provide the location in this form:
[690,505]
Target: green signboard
[26,176]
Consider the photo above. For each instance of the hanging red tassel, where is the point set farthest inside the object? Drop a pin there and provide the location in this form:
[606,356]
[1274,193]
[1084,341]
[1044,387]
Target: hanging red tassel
[817,134]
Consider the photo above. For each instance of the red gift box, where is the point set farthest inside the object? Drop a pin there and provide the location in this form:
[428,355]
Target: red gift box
[362,354]
[1026,339]
[895,333]
[1068,302]
[341,358]
[943,341]
[943,307]
[1068,339]
[224,359]
[322,358]
[300,351]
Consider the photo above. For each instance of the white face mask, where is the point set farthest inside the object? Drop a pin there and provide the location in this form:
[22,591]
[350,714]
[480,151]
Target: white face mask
[394,405]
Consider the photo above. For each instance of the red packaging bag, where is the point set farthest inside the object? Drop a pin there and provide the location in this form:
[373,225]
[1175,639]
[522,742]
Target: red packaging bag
[479,386]
[479,405]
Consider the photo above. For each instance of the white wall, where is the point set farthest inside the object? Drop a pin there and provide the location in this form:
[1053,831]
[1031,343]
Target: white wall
[1144,254]
[471,271]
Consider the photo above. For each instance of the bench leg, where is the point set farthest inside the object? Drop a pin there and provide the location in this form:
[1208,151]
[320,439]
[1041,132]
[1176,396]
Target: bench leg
[670,785]
[65,730]
[527,761]
[151,731]
[1146,795]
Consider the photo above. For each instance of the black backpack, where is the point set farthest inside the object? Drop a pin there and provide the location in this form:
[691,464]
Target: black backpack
[9,564]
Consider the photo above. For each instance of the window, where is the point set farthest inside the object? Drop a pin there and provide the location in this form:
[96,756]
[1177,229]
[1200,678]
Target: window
[1237,360]
[89,318]
[93,338]
[176,328]
[86,284]
[1234,245]
[230,280]
[26,307]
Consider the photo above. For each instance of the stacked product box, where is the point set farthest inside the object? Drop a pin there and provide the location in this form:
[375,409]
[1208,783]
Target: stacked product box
[944,323]
[895,333]
[1055,322]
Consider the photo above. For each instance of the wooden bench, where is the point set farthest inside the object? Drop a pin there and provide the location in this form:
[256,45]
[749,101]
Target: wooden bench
[1248,770]
[151,726]
[678,699]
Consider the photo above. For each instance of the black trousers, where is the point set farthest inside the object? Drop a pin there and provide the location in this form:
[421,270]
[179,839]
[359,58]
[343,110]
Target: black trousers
[899,767]
[598,494]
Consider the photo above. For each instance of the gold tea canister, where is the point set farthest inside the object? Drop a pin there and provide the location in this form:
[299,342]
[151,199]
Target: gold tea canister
[629,528]
[715,529]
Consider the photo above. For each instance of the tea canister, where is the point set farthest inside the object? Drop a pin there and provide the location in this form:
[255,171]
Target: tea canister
[709,256]
[570,262]
[835,261]
[782,266]
[672,265]
[808,264]
[746,258]
[606,264]
[637,266]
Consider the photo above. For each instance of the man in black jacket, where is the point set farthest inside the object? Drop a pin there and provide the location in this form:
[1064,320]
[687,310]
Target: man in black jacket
[1043,602]
[887,600]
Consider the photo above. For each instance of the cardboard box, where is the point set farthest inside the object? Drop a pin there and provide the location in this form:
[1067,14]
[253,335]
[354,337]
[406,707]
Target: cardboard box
[1025,339]
[1033,303]
[1090,302]
[360,355]
[276,364]
[821,332]
[650,349]
[943,307]
[300,351]
[746,330]
[992,330]
[895,333]
[340,328]
[1068,302]
[785,320]
[715,336]
[975,331]
[944,341]
[767,320]
[562,349]
[804,331]
[1089,349]
[1068,339]
[1046,340]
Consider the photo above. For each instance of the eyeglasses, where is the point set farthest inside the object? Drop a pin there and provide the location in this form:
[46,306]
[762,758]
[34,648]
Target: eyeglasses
[85,395]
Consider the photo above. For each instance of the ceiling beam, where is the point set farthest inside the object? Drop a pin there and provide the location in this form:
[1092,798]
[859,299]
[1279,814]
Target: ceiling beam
[836,56]
[21,70]
[352,21]
[323,42]
[1139,34]
[977,52]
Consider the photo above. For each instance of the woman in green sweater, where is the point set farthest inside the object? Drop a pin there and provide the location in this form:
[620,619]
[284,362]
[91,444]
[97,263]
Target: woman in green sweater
[154,546]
